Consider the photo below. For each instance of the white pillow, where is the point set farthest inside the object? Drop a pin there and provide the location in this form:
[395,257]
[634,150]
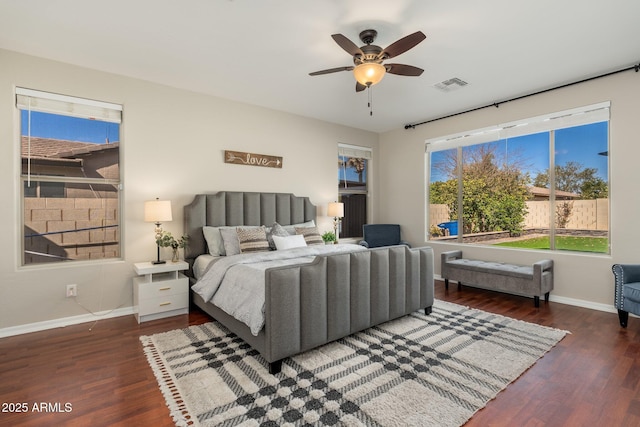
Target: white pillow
[295,241]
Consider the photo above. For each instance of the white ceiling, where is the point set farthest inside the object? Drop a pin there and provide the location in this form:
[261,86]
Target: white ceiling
[261,51]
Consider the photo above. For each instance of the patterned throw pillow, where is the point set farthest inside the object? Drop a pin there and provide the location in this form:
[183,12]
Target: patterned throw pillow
[311,235]
[252,239]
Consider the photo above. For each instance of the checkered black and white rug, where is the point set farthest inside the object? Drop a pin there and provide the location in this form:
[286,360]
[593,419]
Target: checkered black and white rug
[435,370]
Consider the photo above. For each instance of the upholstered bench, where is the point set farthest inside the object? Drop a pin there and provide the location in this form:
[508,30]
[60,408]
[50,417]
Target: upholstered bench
[535,280]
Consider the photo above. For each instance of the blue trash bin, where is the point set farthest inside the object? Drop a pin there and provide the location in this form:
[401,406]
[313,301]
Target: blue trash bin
[452,226]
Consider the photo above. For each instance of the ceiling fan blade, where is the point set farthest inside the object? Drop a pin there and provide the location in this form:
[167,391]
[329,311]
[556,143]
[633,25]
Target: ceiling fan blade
[350,47]
[330,70]
[360,87]
[402,45]
[403,70]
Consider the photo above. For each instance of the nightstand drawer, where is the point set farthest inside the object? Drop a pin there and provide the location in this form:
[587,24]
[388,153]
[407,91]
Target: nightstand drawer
[162,288]
[163,303]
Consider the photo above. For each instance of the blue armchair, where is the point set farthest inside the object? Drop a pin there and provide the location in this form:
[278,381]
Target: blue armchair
[377,235]
[627,292]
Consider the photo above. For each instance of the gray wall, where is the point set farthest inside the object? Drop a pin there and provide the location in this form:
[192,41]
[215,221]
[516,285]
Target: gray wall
[172,148]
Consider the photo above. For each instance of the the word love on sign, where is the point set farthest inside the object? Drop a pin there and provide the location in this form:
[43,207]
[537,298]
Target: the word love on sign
[252,159]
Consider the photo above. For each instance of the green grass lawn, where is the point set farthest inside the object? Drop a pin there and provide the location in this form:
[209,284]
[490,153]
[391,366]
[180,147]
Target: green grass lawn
[566,243]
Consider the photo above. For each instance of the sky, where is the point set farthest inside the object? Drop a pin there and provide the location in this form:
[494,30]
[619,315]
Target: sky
[581,144]
[44,125]
[351,173]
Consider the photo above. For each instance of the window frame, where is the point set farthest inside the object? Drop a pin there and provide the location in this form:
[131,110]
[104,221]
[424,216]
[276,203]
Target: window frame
[361,152]
[82,108]
[549,123]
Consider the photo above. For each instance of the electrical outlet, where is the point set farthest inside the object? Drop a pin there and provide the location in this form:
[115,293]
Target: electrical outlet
[72,291]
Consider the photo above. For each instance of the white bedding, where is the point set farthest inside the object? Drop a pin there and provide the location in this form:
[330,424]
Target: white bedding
[201,264]
[236,283]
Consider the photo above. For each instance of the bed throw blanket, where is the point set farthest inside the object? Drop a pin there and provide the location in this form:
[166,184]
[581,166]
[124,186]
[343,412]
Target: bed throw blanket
[236,283]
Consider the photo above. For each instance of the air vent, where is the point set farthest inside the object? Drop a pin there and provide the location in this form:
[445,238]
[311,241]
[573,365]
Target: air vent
[451,84]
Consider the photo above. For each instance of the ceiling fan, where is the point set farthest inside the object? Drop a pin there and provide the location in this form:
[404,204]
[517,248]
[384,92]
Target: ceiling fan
[368,67]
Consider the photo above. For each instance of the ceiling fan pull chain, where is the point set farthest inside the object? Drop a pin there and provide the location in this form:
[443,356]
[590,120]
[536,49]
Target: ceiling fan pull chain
[370,103]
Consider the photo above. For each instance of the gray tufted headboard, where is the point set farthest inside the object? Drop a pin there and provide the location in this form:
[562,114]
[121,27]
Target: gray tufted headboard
[241,208]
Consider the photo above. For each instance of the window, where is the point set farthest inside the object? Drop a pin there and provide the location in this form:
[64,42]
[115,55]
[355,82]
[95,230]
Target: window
[353,170]
[70,178]
[541,183]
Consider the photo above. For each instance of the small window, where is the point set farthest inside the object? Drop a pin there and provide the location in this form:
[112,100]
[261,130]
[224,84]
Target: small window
[70,156]
[353,188]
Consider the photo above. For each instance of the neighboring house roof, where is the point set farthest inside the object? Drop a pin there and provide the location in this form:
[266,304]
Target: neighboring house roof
[60,149]
[545,192]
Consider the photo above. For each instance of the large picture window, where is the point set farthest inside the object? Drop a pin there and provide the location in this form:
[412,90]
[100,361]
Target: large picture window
[353,187]
[541,183]
[70,176]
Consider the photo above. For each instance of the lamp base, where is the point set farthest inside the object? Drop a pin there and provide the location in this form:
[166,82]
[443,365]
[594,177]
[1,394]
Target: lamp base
[158,261]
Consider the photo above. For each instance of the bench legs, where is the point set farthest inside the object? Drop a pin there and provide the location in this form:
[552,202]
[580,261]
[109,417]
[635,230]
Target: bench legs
[446,285]
[536,299]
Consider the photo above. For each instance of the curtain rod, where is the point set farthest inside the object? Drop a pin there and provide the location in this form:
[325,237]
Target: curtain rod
[497,104]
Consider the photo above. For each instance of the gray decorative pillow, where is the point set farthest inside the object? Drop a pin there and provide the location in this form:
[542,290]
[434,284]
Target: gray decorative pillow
[275,230]
[252,239]
[231,242]
[215,243]
[311,235]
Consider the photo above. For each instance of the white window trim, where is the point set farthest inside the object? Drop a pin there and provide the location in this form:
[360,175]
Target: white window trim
[47,102]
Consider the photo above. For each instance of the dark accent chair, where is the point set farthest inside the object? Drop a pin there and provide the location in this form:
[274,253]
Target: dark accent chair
[627,292]
[378,235]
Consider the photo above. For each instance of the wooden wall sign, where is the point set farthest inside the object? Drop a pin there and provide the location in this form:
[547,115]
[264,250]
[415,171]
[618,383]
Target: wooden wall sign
[252,159]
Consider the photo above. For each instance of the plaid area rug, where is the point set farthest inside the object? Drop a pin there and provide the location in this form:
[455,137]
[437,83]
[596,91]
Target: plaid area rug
[435,370]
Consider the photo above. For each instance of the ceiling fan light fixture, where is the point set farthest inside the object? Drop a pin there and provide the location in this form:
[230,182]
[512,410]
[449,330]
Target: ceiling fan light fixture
[369,73]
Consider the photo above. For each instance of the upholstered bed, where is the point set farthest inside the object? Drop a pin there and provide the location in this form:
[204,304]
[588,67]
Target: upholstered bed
[323,297]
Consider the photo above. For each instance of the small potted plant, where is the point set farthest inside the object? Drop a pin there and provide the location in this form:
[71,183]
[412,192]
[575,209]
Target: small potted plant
[329,238]
[167,240]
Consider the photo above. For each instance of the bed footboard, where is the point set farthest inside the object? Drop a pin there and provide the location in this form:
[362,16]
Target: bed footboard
[337,295]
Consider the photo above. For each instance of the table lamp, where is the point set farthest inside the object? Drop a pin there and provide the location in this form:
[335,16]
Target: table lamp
[336,210]
[157,211]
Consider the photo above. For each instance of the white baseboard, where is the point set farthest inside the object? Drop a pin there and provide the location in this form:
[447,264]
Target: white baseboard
[65,321]
[126,311]
[570,301]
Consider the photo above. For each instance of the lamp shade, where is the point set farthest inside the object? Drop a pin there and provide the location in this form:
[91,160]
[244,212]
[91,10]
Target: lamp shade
[335,209]
[369,73]
[157,211]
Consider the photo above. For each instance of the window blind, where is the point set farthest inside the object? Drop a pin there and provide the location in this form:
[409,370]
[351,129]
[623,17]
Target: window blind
[562,119]
[354,151]
[34,100]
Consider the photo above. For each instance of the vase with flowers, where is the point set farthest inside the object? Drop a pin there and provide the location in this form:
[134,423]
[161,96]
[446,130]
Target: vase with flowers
[166,240]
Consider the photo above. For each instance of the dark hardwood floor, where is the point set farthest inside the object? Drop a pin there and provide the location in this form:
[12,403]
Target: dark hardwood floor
[591,378]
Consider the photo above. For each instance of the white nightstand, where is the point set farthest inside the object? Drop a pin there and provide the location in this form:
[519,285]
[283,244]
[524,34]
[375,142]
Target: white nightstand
[160,291]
